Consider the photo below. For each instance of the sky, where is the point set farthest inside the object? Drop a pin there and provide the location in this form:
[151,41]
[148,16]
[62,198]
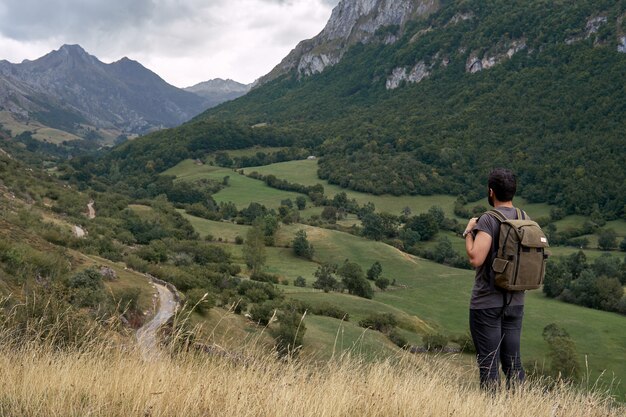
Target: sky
[183,41]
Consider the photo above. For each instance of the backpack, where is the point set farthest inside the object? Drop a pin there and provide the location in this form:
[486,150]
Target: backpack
[519,261]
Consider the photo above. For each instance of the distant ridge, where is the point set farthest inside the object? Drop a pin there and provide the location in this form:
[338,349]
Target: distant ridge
[218,90]
[69,86]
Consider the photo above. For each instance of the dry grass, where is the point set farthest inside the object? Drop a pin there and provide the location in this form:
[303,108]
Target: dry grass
[101,380]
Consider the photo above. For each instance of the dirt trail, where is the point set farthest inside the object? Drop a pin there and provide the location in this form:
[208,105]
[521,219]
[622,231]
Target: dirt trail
[91,210]
[147,335]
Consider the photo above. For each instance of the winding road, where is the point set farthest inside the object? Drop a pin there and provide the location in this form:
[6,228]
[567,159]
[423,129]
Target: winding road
[147,335]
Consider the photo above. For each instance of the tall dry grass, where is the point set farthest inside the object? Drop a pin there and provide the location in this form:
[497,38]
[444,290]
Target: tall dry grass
[100,379]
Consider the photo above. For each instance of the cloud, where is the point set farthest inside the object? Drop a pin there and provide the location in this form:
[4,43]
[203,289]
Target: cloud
[183,41]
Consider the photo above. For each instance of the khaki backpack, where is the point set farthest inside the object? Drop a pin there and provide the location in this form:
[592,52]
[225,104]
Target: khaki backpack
[519,262]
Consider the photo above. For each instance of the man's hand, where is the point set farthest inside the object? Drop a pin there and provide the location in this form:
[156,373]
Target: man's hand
[470,225]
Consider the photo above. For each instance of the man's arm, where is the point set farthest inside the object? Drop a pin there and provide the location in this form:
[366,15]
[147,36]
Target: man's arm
[477,248]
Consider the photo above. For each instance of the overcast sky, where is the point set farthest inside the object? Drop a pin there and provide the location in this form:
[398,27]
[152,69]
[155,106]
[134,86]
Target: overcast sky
[184,41]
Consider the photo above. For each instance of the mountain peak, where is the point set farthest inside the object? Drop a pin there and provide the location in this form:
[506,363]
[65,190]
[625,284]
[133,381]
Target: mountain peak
[74,48]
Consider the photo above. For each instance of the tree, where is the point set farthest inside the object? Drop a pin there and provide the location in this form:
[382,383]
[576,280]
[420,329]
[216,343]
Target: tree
[563,357]
[607,240]
[325,278]
[622,245]
[438,214]
[299,282]
[354,280]
[270,226]
[424,224]
[557,278]
[329,214]
[301,246]
[300,202]
[374,272]
[382,283]
[373,227]
[254,248]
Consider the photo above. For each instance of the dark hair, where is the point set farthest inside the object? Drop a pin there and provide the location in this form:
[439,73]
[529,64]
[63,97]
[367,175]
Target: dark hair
[503,183]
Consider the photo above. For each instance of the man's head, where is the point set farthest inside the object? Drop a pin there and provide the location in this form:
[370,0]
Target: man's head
[502,185]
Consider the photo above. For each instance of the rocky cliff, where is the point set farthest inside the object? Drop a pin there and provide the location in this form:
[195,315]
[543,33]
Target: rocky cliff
[351,22]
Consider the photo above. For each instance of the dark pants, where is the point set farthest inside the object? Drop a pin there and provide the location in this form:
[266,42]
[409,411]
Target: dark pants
[497,339]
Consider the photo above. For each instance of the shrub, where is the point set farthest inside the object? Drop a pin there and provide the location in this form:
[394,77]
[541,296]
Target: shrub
[264,277]
[435,341]
[383,322]
[330,310]
[290,333]
[262,313]
[466,342]
[200,300]
[299,282]
[398,339]
[382,283]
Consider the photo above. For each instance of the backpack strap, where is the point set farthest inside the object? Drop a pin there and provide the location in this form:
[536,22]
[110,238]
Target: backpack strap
[497,214]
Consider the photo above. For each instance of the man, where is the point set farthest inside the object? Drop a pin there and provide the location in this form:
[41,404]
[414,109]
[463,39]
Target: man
[495,320]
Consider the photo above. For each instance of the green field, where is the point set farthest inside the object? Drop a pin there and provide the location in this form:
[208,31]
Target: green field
[433,296]
[305,172]
[241,190]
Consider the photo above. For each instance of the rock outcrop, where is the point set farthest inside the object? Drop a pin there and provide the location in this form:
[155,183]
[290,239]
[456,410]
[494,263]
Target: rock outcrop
[496,55]
[401,74]
[351,22]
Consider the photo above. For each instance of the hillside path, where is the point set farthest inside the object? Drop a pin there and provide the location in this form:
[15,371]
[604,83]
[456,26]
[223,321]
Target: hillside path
[147,335]
[91,210]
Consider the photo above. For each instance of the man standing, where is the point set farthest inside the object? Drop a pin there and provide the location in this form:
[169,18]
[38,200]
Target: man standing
[495,320]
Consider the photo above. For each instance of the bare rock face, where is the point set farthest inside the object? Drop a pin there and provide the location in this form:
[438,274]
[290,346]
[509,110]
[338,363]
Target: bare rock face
[419,72]
[494,56]
[352,22]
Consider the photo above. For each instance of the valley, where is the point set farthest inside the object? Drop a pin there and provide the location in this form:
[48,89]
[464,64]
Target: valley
[292,246]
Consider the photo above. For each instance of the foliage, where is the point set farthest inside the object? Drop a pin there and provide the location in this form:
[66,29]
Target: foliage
[398,339]
[607,239]
[383,322]
[563,357]
[598,285]
[290,333]
[325,278]
[374,272]
[330,310]
[254,249]
[435,341]
[382,283]
[300,281]
[301,246]
[354,281]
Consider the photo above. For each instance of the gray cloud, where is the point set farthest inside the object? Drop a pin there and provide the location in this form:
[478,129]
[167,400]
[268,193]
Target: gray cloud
[184,41]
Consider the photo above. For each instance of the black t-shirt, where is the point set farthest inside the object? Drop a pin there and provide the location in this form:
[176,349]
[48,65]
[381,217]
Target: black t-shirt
[482,294]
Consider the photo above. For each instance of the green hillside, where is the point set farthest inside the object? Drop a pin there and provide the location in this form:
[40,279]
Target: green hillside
[553,111]
[429,296]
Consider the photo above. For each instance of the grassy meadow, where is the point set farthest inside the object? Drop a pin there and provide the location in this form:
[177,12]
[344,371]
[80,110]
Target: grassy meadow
[428,297]
[241,190]
[432,297]
[105,380]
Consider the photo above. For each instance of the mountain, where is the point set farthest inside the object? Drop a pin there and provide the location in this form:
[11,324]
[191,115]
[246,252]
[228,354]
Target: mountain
[351,22]
[122,95]
[218,90]
[427,101]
